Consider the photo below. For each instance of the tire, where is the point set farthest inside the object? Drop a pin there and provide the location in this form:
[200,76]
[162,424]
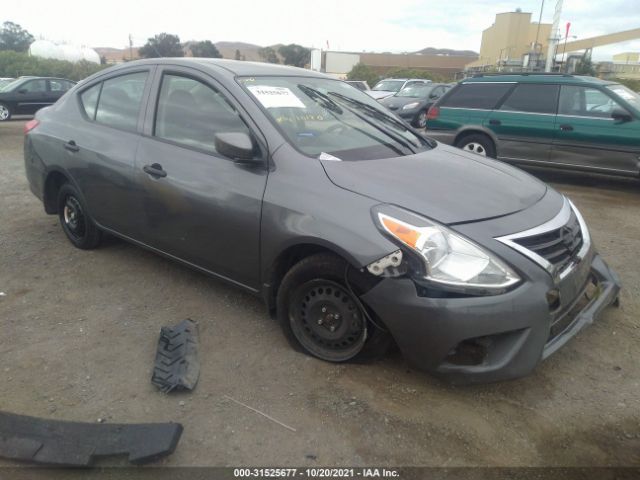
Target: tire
[313,304]
[420,120]
[5,112]
[75,222]
[477,143]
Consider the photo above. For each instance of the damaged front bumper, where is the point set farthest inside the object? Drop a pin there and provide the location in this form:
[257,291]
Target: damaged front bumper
[491,338]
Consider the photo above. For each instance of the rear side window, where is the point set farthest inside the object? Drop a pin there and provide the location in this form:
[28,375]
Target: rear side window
[120,101]
[532,98]
[477,95]
[60,85]
[89,100]
[190,113]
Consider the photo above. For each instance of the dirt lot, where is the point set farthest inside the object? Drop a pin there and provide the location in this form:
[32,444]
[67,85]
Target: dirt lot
[79,332]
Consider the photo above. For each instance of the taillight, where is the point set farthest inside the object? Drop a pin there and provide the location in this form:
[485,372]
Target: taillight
[30,125]
[433,113]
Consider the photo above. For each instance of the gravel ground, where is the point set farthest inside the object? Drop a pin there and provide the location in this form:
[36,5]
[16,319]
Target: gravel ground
[79,331]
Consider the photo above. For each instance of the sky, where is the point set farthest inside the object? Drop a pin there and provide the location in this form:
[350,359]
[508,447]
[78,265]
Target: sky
[348,25]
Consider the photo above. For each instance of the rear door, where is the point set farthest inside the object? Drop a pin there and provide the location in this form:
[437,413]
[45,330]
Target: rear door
[587,137]
[101,149]
[57,88]
[524,122]
[195,203]
[31,96]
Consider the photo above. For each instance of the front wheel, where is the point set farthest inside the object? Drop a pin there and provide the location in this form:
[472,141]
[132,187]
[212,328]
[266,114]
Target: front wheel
[5,112]
[421,120]
[76,224]
[320,312]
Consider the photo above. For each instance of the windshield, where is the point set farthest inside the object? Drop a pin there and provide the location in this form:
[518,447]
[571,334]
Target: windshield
[416,91]
[623,92]
[329,119]
[389,85]
[10,84]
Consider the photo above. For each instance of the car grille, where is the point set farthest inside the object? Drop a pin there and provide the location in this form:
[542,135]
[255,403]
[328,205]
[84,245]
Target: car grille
[558,246]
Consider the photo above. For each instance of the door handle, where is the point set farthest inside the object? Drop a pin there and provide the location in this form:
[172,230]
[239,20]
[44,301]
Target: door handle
[493,121]
[155,170]
[566,128]
[71,146]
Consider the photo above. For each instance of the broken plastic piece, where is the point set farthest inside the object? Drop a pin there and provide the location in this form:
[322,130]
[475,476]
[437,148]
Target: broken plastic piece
[176,365]
[56,442]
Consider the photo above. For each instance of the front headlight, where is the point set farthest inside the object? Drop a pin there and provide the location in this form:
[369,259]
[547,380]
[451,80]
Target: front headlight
[449,259]
[411,105]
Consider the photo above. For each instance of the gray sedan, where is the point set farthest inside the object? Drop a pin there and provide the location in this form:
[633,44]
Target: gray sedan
[356,230]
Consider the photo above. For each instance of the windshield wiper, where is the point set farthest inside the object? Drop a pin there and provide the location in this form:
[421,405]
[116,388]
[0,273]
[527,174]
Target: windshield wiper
[323,100]
[374,112]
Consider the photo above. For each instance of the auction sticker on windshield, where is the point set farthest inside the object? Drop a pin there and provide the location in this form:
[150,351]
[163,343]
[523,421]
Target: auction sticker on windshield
[275,97]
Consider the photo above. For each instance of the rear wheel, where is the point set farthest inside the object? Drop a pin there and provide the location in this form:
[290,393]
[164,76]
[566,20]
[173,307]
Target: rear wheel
[5,112]
[321,315]
[76,224]
[477,143]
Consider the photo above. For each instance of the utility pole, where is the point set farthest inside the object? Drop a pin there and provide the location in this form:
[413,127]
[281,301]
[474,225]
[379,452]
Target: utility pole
[553,41]
[537,48]
[130,48]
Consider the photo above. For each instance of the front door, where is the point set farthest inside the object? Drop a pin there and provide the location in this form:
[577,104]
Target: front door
[196,204]
[588,137]
[524,121]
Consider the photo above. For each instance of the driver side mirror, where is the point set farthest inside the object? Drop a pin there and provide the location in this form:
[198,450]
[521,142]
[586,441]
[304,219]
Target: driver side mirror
[236,145]
[22,90]
[621,115]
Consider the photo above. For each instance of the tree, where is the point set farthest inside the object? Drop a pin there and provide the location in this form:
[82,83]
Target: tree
[204,49]
[360,71]
[268,54]
[295,55]
[14,37]
[238,56]
[162,45]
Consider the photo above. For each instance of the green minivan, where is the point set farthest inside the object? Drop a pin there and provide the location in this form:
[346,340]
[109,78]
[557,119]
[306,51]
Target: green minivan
[555,120]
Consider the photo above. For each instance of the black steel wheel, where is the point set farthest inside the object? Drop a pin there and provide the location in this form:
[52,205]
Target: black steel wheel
[75,222]
[327,320]
[321,315]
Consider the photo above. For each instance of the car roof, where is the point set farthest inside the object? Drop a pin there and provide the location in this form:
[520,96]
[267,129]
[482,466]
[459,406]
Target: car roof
[535,78]
[231,67]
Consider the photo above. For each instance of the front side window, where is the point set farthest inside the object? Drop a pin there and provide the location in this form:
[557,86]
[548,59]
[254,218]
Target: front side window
[483,96]
[585,102]
[120,101]
[190,113]
[34,86]
[321,116]
[532,98]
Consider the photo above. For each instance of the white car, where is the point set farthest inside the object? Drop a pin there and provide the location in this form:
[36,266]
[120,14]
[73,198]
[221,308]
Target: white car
[390,86]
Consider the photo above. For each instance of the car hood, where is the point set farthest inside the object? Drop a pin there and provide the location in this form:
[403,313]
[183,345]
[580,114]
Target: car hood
[378,94]
[396,103]
[444,184]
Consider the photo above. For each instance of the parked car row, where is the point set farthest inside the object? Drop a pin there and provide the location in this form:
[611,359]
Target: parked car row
[26,95]
[563,121]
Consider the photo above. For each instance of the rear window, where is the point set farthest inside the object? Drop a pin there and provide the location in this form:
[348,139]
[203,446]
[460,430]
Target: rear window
[476,95]
[532,98]
[120,101]
[89,99]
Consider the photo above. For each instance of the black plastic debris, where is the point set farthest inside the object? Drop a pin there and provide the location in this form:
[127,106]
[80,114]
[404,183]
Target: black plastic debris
[61,443]
[176,366]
